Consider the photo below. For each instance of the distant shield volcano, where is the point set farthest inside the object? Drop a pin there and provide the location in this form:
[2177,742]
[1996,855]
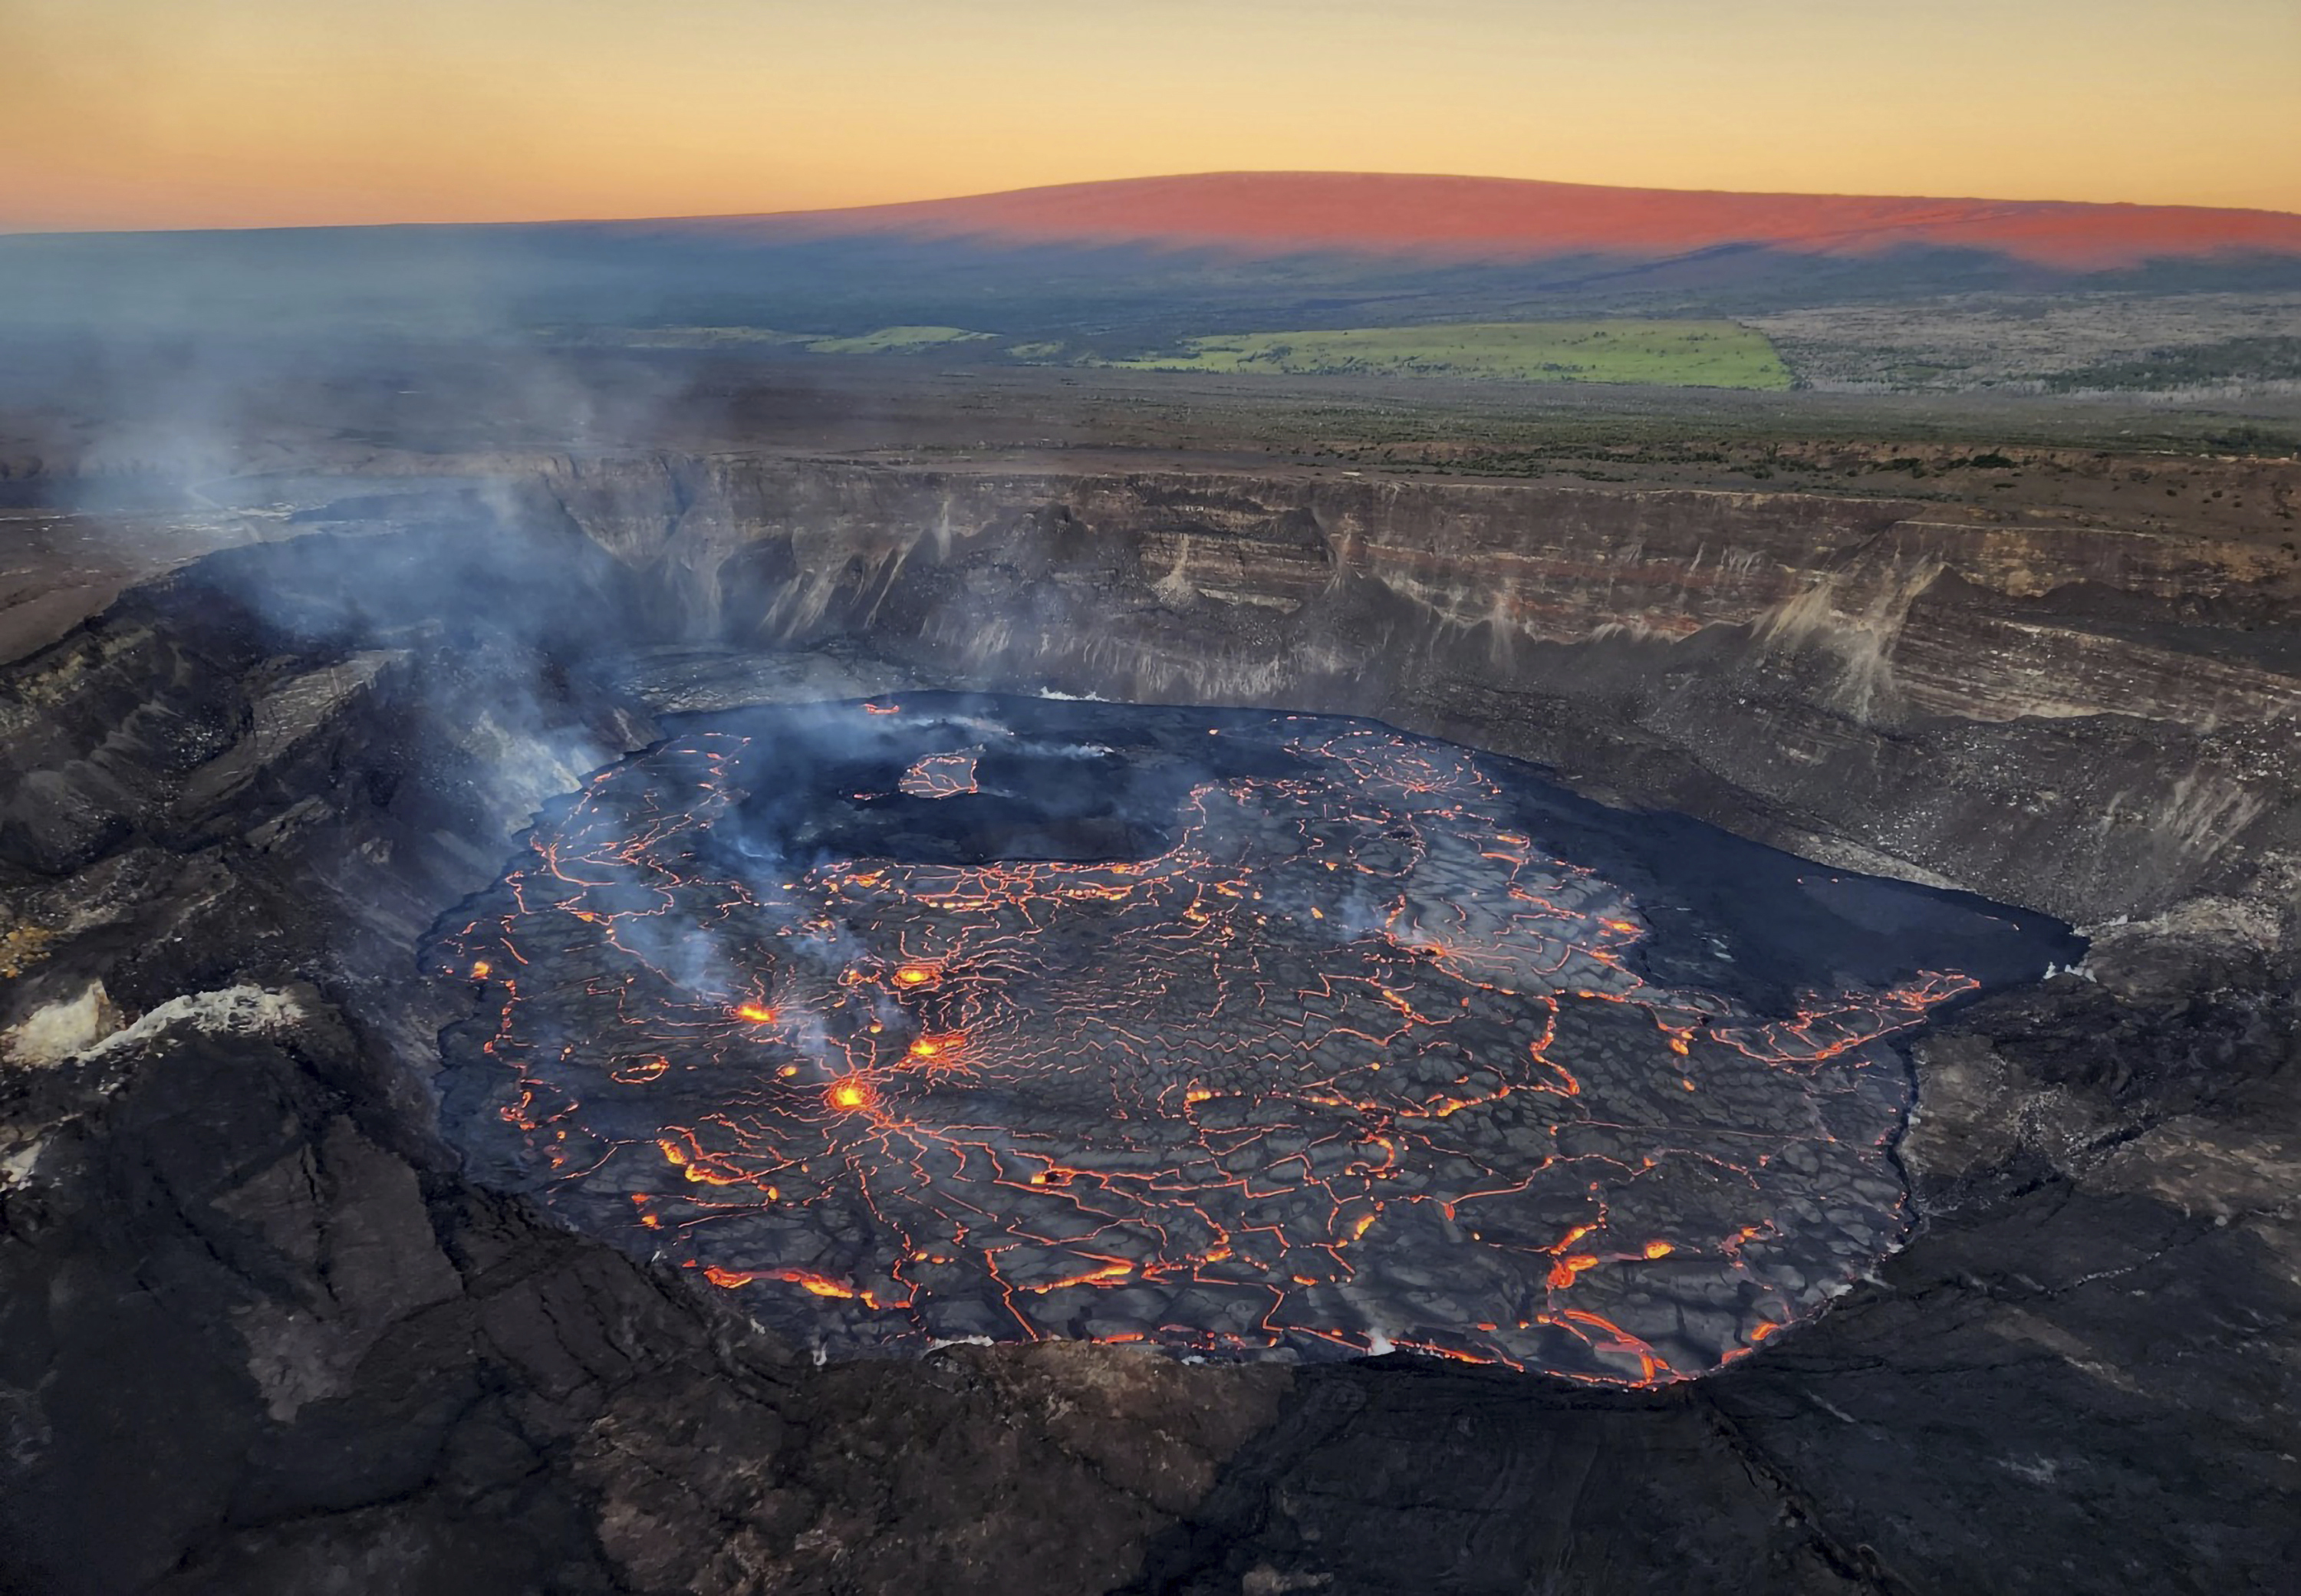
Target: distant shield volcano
[1466,218]
[1116,269]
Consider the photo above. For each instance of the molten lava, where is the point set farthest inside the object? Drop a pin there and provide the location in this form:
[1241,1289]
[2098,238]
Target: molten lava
[1346,1061]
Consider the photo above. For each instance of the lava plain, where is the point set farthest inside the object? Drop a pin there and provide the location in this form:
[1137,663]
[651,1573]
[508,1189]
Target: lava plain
[1240,1033]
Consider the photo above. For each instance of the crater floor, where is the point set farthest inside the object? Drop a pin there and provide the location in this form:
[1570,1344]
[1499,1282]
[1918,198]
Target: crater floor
[948,1017]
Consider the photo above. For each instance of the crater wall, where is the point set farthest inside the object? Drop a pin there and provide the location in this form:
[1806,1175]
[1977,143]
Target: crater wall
[2092,719]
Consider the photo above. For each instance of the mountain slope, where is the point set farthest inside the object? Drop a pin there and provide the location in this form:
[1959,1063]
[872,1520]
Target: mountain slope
[1266,213]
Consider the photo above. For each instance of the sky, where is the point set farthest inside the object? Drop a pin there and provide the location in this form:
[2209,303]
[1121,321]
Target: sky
[168,113]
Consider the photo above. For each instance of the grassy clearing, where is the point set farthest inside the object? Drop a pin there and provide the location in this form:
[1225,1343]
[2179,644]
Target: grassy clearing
[895,340]
[1670,354]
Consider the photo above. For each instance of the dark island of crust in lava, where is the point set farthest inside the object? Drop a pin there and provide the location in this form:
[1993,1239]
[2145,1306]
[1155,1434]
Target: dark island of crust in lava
[1237,1033]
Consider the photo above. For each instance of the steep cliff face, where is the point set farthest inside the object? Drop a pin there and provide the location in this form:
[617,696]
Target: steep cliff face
[2096,719]
[259,1331]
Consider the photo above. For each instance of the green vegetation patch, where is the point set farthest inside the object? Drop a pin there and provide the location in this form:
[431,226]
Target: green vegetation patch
[1669,354]
[895,340]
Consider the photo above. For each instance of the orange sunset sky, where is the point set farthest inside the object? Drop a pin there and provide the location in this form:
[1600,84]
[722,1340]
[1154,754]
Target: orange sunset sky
[202,112]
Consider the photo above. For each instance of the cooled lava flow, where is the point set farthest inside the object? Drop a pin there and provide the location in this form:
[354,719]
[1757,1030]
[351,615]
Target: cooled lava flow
[1305,1048]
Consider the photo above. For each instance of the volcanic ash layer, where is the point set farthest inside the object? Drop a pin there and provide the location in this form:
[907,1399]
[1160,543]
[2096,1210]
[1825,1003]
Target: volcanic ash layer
[1236,1034]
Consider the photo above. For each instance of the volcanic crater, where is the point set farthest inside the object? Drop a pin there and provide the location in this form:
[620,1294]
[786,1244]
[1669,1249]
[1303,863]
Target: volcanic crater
[1239,1033]
[710,763]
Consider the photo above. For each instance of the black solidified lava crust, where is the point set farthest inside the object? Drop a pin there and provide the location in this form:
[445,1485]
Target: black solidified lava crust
[953,1017]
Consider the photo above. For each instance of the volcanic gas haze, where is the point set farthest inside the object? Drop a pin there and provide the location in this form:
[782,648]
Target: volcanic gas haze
[1239,1033]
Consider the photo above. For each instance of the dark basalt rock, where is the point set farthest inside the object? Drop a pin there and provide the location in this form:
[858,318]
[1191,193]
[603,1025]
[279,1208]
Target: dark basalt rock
[259,1331]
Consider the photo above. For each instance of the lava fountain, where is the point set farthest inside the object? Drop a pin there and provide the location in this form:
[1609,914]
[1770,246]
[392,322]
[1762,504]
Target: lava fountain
[1238,1034]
